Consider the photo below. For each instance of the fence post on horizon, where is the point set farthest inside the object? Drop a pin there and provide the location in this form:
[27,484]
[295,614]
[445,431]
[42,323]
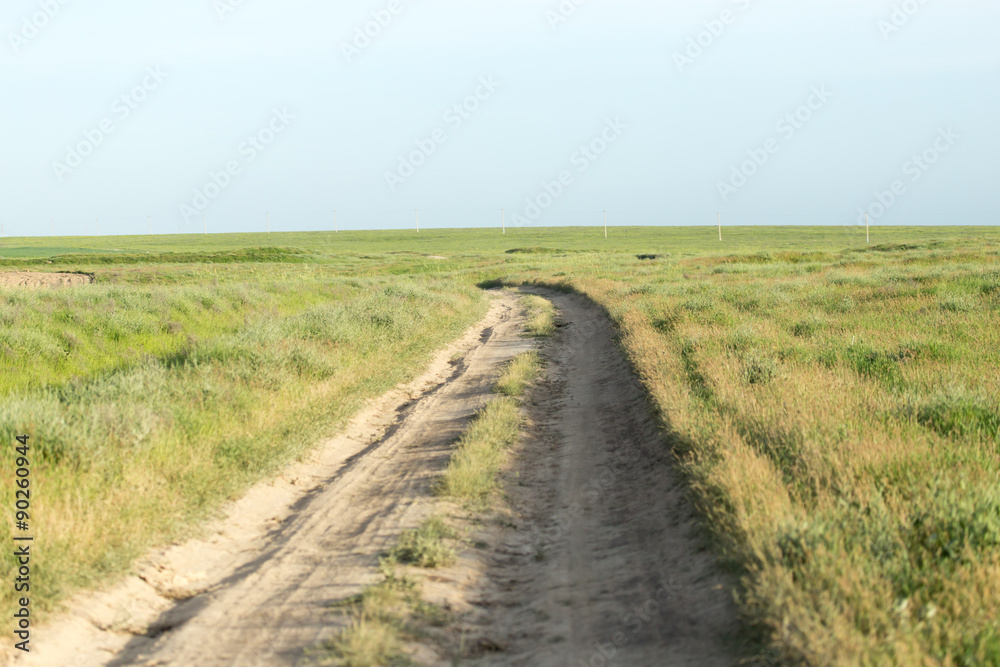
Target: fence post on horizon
[720,225]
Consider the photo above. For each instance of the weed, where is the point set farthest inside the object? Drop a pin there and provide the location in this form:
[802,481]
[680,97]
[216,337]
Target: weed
[425,546]
[541,316]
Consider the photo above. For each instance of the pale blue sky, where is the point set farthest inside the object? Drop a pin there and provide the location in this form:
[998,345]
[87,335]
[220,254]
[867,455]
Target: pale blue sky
[679,130]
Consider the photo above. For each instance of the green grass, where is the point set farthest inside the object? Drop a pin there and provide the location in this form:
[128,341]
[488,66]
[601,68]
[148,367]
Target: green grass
[519,374]
[838,419]
[482,450]
[379,621]
[540,243]
[541,316]
[149,406]
[472,473]
[834,406]
[425,546]
[388,614]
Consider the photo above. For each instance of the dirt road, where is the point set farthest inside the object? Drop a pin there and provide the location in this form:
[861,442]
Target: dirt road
[255,590]
[601,567]
[605,566]
[28,279]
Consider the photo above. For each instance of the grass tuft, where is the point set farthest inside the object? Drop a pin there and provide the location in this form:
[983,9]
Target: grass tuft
[425,546]
[541,316]
[481,451]
[519,374]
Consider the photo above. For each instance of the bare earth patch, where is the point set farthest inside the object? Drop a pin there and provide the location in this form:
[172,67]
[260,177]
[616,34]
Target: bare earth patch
[32,280]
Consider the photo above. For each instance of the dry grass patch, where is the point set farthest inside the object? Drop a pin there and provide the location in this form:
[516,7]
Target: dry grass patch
[839,422]
[482,449]
[541,316]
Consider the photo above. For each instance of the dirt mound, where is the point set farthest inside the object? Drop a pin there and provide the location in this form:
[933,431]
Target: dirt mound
[33,280]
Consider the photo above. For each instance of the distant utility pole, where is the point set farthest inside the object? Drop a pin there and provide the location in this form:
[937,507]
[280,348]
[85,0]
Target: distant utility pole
[605,224]
[416,212]
[720,225]
[868,234]
[503,220]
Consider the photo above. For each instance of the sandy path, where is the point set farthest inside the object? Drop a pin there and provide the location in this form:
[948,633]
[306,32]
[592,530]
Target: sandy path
[605,566]
[28,279]
[254,591]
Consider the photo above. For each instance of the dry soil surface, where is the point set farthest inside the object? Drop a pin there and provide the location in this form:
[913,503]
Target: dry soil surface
[35,280]
[604,565]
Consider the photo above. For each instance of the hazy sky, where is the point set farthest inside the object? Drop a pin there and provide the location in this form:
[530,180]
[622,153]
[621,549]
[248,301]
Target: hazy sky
[770,111]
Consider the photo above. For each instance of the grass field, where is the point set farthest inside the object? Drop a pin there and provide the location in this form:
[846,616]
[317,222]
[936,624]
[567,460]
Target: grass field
[150,404]
[835,406]
[838,415]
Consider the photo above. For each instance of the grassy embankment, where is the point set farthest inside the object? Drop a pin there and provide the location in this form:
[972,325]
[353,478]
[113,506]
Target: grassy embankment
[838,415]
[156,394]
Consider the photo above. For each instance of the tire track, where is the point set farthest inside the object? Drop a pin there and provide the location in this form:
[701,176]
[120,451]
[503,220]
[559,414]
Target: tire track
[606,566]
